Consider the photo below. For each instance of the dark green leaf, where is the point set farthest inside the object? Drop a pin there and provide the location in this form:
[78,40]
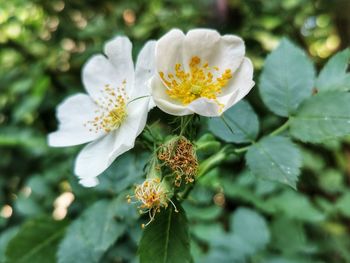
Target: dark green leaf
[239,124]
[166,240]
[89,237]
[333,76]
[323,117]
[275,158]
[287,79]
[36,241]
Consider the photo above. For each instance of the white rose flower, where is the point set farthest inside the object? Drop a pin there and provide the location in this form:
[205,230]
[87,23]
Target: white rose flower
[200,72]
[112,114]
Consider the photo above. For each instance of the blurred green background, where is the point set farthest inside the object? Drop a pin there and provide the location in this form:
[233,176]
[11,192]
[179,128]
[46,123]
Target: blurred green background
[43,45]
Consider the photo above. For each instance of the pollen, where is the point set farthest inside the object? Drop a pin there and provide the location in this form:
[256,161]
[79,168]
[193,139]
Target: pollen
[111,109]
[201,81]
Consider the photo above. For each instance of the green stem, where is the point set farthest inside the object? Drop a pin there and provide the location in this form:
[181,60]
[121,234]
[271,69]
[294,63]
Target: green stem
[243,149]
[186,192]
[205,167]
[212,162]
[281,128]
[220,156]
[184,123]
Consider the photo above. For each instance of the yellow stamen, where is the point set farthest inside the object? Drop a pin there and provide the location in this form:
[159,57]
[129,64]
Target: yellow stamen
[199,82]
[111,109]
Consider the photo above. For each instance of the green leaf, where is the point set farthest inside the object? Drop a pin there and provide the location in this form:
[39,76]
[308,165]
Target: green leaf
[89,237]
[238,192]
[288,236]
[287,79]
[123,172]
[295,206]
[275,158]
[239,124]
[36,241]
[206,213]
[249,234]
[333,76]
[331,181]
[166,240]
[322,117]
[207,232]
[5,238]
[251,227]
[342,204]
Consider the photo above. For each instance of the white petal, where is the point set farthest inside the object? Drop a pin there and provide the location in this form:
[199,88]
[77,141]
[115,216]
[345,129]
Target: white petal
[164,102]
[89,182]
[205,107]
[225,52]
[119,52]
[72,114]
[137,115]
[97,156]
[242,83]
[145,69]
[169,50]
[100,71]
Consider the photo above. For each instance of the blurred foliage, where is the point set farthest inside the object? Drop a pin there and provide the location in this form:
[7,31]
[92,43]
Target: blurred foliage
[43,45]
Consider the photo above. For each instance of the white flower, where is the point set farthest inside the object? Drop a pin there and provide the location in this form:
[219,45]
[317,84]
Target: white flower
[200,72]
[114,111]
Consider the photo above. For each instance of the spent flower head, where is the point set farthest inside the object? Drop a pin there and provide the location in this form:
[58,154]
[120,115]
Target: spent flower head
[180,156]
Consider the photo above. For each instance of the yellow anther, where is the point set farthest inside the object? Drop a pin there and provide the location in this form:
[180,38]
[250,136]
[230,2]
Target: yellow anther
[111,109]
[199,82]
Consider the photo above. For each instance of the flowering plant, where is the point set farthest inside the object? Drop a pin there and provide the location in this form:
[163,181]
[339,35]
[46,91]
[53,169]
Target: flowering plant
[200,78]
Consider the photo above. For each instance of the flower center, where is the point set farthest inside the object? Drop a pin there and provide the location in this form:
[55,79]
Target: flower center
[199,82]
[150,194]
[111,109]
